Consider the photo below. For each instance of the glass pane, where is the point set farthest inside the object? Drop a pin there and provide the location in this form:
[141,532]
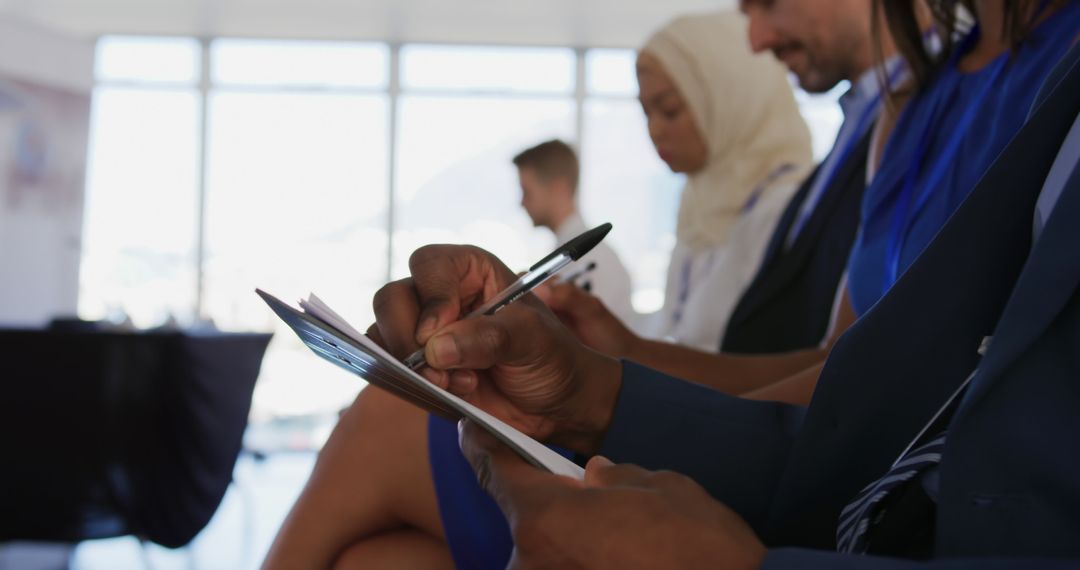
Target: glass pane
[296,203]
[532,70]
[141,207]
[455,179]
[160,60]
[269,62]
[625,183]
[611,72]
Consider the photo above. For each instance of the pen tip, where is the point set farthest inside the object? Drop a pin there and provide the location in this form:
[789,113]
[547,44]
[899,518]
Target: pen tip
[584,243]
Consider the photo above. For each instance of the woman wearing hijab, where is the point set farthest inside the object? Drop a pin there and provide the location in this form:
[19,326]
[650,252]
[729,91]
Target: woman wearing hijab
[728,120]
[971,89]
[391,488]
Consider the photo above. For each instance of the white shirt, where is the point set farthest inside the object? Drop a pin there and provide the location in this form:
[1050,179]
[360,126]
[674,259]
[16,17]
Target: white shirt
[704,287]
[609,280]
[1062,169]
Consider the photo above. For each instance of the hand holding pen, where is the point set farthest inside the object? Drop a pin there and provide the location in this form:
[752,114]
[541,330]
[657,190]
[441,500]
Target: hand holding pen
[543,270]
[573,276]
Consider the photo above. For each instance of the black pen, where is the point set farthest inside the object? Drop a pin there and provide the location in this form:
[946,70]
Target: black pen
[543,270]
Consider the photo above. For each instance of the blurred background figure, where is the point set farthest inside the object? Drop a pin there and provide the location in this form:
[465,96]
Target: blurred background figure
[731,123]
[549,174]
[156,165]
[727,119]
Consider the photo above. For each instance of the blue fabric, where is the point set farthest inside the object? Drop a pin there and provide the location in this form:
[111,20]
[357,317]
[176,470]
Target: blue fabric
[476,530]
[1008,485]
[790,471]
[1059,174]
[861,106]
[1003,111]
[1009,496]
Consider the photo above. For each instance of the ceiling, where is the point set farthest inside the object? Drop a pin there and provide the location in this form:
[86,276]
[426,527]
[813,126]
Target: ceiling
[605,23]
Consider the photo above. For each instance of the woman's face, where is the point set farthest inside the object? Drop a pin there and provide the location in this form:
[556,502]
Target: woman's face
[672,126]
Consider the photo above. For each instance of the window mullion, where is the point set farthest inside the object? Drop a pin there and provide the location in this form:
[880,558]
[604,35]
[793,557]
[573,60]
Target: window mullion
[394,93]
[203,177]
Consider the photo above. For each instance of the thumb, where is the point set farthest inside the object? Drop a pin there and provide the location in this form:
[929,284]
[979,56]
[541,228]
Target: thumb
[520,334]
[476,344]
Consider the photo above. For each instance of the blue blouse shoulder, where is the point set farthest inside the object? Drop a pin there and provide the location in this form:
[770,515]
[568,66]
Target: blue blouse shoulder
[897,225]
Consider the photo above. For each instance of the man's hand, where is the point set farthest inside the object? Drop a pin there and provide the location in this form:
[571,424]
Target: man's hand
[592,322]
[620,517]
[520,364]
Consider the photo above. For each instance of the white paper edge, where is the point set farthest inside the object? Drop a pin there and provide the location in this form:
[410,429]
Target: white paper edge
[554,462]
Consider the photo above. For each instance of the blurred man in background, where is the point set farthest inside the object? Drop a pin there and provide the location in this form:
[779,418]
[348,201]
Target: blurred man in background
[549,175]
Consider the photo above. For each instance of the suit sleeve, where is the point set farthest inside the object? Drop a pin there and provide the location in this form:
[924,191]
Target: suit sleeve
[799,559]
[735,448]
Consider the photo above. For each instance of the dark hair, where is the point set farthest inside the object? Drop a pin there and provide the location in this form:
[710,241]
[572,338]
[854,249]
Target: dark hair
[552,159]
[904,25]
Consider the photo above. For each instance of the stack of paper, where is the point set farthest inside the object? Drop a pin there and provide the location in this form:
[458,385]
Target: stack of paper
[333,338]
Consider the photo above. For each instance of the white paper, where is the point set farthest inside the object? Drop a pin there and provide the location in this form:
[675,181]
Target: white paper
[540,453]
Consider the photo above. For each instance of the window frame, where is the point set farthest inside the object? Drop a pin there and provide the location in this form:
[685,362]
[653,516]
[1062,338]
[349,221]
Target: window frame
[205,86]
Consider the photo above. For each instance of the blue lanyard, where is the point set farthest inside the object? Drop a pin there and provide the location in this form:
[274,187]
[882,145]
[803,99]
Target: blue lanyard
[687,269]
[684,291]
[760,189]
[684,285]
[906,211]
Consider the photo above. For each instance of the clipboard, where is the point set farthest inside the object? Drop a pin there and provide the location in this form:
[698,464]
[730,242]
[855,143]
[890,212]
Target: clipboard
[334,340]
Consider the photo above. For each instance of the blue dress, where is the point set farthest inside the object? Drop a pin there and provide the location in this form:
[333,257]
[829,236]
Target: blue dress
[898,225]
[477,532]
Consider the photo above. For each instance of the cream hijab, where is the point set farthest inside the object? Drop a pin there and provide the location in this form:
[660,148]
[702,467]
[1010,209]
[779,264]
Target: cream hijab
[746,113]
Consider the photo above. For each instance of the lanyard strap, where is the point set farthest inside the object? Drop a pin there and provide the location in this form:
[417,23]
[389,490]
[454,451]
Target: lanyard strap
[686,275]
[910,206]
[760,189]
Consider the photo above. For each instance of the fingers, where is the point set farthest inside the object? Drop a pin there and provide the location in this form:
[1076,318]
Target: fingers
[374,334]
[511,481]
[601,472]
[463,382]
[576,303]
[483,342]
[564,297]
[396,311]
[448,279]
[476,343]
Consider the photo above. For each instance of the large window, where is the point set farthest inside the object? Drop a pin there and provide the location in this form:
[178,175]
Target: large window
[464,113]
[221,166]
[141,236]
[613,129]
[296,199]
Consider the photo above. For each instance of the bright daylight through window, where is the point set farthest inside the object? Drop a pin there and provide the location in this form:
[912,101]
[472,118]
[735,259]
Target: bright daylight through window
[314,166]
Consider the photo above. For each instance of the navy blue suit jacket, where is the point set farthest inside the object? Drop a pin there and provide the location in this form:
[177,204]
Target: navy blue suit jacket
[789,303]
[1010,489]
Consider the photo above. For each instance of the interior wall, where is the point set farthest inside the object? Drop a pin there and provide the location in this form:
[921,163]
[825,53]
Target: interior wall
[45,85]
[579,23]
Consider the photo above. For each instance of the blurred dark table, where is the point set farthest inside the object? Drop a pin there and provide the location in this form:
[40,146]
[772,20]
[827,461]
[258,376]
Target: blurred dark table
[110,434]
